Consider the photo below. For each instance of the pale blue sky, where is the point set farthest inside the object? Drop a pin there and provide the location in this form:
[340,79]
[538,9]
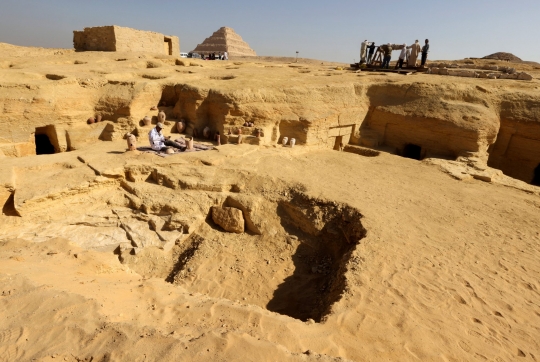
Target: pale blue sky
[317,29]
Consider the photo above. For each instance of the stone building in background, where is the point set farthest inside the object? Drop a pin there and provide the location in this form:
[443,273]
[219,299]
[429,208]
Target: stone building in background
[114,38]
[225,40]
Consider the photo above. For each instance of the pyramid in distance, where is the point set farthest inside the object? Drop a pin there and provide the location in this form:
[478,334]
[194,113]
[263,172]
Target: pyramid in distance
[225,40]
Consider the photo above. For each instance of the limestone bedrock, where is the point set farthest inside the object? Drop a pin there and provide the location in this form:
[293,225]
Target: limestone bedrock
[53,92]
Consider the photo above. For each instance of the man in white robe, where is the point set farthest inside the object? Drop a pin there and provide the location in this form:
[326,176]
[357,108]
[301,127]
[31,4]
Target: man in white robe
[158,142]
[415,51]
[363,51]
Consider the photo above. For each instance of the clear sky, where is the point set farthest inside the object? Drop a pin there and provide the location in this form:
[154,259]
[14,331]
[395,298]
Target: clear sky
[320,29]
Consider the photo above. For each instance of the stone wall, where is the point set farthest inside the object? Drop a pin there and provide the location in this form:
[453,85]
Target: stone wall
[99,38]
[516,151]
[116,38]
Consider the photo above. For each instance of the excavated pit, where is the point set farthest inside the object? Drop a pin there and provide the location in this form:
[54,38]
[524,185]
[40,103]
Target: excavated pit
[295,268]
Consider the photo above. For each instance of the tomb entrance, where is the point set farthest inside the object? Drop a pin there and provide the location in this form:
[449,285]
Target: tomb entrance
[536,177]
[338,143]
[167,45]
[412,151]
[46,140]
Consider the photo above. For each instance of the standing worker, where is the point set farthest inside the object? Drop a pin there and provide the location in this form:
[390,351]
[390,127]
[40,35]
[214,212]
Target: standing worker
[370,52]
[387,49]
[415,50]
[425,50]
[363,49]
[402,56]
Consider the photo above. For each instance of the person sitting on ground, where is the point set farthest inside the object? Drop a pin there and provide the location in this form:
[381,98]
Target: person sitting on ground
[158,142]
[402,56]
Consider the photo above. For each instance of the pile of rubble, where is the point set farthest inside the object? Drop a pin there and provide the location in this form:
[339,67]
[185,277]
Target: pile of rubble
[477,71]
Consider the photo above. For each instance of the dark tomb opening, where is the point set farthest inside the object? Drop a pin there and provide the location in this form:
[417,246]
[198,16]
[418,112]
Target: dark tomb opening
[412,151]
[338,144]
[43,145]
[536,177]
[9,207]
[168,46]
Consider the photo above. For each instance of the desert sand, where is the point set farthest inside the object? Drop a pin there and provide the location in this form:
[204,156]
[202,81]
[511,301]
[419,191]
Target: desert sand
[113,255]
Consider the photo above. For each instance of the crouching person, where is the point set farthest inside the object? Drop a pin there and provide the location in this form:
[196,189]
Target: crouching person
[158,142]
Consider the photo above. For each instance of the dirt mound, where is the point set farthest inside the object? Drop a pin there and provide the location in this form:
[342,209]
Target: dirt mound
[503,56]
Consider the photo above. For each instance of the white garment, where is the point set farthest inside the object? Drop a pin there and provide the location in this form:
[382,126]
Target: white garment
[363,49]
[225,56]
[403,52]
[157,140]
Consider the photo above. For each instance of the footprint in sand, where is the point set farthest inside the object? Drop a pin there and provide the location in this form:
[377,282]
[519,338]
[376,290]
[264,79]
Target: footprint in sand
[483,338]
[9,347]
[464,346]
[459,298]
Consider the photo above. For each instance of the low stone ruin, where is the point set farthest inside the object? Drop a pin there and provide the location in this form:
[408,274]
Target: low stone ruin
[477,71]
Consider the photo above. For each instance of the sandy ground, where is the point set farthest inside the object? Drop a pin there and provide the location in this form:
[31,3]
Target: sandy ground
[448,270]
[356,258]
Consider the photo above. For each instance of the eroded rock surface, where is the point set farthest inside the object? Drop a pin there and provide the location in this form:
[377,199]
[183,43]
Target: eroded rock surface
[316,104]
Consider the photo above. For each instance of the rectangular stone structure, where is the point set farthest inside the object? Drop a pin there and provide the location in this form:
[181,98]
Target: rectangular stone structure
[113,38]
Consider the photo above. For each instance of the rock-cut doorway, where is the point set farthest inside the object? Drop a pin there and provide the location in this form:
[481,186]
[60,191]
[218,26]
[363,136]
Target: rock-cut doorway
[536,177]
[167,46]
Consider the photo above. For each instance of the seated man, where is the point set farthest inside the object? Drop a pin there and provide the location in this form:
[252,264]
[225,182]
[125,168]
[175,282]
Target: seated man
[158,142]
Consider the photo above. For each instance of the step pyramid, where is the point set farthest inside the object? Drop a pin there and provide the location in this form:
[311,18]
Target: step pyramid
[225,40]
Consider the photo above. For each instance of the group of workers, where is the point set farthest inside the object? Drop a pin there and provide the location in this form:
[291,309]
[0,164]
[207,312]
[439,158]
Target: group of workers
[409,54]
[213,56]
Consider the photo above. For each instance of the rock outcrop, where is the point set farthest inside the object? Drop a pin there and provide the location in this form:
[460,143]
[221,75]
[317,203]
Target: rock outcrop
[503,56]
[225,40]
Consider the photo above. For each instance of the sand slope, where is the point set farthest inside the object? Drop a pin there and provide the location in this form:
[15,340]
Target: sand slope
[448,270]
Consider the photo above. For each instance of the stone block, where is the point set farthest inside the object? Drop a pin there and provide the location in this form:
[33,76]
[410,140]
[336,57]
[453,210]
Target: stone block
[443,71]
[250,206]
[333,132]
[524,76]
[229,218]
